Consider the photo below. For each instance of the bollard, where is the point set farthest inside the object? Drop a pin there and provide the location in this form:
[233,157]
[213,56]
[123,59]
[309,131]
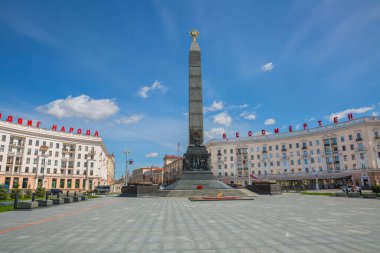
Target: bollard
[46,196]
[16,201]
[67,194]
[75,193]
[57,195]
[33,197]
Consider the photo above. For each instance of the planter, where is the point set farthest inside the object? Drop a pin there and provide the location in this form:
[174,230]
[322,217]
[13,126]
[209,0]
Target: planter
[354,195]
[27,205]
[48,202]
[77,198]
[370,196]
[58,201]
[340,194]
[68,200]
[83,198]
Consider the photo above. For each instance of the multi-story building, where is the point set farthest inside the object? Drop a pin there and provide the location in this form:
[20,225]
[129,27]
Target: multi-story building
[330,154]
[32,156]
[173,167]
[111,169]
[145,175]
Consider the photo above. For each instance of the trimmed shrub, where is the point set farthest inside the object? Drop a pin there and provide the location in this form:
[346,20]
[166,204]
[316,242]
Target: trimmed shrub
[15,190]
[28,192]
[376,188]
[40,192]
[3,193]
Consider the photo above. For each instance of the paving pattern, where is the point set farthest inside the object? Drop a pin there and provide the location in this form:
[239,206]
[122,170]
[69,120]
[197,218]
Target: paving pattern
[285,223]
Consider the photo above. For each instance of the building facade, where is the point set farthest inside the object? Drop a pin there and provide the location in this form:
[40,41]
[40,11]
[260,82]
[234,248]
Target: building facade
[32,156]
[111,169]
[147,175]
[173,167]
[328,155]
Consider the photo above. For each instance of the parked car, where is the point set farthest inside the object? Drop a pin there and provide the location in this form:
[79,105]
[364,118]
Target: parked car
[54,191]
[351,189]
[103,189]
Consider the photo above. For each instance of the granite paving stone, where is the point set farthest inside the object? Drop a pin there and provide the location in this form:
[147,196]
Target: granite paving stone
[285,223]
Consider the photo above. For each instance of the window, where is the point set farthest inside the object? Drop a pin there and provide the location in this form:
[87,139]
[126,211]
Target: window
[318,151]
[342,138]
[225,151]
[86,148]
[30,142]
[297,145]
[78,164]
[344,148]
[26,169]
[270,148]
[27,160]
[48,170]
[344,157]
[62,183]
[3,138]
[231,158]
[79,156]
[37,143]
[310,143]
[77,172]
[376,133]
[36,152]
[353,156]
[44,143]
[352,147]
[291,162]
[276,147]
[278,163]
[57,145]
[290,146]
[51,144]
[55,163]
[299,162]
[362,156]
[317,142]
[350,137]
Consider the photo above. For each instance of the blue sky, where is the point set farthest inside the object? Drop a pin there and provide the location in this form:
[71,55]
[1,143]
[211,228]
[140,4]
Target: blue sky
[266,64]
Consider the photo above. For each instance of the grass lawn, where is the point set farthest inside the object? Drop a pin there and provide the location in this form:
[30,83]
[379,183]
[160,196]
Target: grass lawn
[6,208]
[330,194]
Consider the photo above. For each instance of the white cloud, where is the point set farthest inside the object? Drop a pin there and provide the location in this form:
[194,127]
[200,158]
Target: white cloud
[223,119]
[249,116]
[267,67]
[298,126]
[269,122]
[151,155]
[215,133]
[131,119]
[216,106]
[344,113]
[144,91]
[81,107]
[374,114]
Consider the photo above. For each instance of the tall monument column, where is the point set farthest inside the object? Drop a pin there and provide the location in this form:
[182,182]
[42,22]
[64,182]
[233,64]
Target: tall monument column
[196,165]
[195,93]
[196,157]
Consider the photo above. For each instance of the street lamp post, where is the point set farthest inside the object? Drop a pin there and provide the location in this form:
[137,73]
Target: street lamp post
[126,152]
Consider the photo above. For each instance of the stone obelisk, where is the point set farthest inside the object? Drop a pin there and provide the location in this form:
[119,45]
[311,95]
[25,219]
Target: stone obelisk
[196,165]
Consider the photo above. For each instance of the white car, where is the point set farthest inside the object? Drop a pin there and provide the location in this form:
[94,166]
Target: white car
[350,189]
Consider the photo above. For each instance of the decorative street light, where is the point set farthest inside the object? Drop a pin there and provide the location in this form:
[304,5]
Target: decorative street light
[126,152]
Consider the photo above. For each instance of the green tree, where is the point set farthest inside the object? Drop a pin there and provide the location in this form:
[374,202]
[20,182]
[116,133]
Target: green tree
[40,192]
[28,192]
[376,188]
[15,190]
[3,193]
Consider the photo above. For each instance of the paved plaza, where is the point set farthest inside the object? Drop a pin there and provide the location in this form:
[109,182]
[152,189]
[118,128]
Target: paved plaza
[285,223]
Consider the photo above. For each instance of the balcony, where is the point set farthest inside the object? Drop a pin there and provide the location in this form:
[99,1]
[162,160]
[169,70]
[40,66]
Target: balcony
[377,137]
[327,144]
[283,149]
[219,154]
[304,147]
[264,151]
